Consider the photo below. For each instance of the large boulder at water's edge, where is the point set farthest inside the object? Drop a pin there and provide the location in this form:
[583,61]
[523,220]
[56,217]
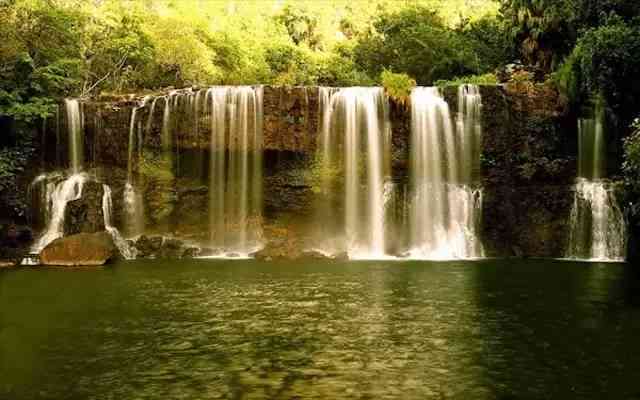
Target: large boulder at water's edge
[83,249]
[85,215]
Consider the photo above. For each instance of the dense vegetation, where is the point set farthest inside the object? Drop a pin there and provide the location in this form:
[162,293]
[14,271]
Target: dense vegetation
[57,48]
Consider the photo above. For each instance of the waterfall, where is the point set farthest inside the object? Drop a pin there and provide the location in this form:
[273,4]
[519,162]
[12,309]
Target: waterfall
[127,251]
[133,201]
[74,126]
[235,190]
[57,195]
[166,133]
[446,197]
[590,149]
[597,227]
[60,191]
[355,138]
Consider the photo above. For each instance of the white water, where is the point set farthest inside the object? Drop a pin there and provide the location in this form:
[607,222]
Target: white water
[355,138]
[597,227]
[133,201]
[58,194]
[128,252]
[58,191]
[74,126]
[446,198]
[235,190]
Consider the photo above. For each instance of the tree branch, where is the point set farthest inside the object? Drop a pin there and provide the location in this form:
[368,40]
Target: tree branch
[118,67]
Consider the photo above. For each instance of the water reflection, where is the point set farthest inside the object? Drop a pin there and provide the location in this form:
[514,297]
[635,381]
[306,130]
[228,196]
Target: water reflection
[240,330]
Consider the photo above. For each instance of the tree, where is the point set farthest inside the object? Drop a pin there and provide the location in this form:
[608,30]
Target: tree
[606,62]
[415,41]
[545,29]
[301,26]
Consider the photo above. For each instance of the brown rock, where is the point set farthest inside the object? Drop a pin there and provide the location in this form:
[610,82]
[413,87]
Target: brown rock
[85,214]
[84,249]
[6,264]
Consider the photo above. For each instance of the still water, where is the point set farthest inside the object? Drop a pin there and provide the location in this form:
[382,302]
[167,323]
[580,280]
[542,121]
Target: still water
[320,330]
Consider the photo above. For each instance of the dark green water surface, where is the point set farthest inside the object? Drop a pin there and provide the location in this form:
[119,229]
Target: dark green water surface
[370,330]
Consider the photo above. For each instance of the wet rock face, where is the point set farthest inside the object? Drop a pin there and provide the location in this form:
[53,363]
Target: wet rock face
[85,215]
[290,118]
[158,247]
[528,169]
[14,243]
[84,249]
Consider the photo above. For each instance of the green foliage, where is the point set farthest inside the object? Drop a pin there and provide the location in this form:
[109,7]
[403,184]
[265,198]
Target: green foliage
[301,25]
[489,38]
[484,79]
[339,68]
[397,86]
[416,41]
[606,61]
[291,65]
[547,30]
[631,164]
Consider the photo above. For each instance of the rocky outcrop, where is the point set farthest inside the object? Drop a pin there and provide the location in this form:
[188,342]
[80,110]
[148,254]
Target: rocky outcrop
[85,215]
[158,247]
[84,249]
[528,169]
[14,239]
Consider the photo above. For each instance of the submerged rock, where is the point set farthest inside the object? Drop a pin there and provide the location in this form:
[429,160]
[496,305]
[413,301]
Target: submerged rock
[83,249]
[85,215]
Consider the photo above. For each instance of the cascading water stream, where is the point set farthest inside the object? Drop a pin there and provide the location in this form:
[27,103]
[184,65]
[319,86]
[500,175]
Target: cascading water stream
[446,200]
[128,252]
[133,201]
[597,227]
[57,195]
[355,138]
[74,125]
[59,191]
[235,190]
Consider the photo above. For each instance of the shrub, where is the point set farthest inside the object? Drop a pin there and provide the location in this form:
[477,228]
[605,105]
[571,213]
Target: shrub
[606,61]
[415,41]
[484,79]
[397,86]
[631,164]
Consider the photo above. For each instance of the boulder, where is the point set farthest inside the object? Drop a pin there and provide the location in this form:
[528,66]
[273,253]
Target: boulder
[85,215]
[171,249]
[158,247]
[191,252]
[83,249]
[148,247]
